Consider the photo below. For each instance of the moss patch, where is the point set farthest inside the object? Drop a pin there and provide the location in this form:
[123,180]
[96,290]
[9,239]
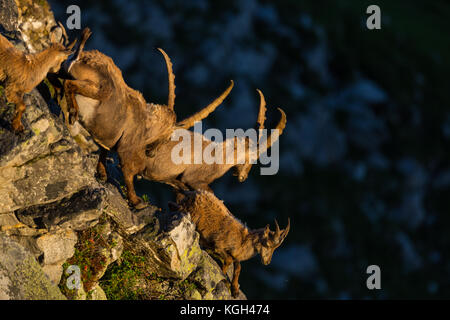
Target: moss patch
[131,279]
[120,280]
[87,257]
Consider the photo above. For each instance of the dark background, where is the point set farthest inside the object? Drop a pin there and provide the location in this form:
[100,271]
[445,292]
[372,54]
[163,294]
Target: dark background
[364,173]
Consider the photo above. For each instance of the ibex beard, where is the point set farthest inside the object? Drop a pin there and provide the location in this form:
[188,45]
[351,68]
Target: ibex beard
[239,147]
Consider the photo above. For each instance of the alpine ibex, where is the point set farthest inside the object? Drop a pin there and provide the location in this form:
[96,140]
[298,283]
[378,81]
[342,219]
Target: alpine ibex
[21,72]
[117,116]
[225,235]
[190,175]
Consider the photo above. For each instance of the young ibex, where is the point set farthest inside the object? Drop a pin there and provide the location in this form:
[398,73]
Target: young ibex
[21,72]
[225,235]
[198,176]
[117,116]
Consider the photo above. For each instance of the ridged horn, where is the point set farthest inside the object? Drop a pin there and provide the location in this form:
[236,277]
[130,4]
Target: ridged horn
[280,127]
[280,235]
[244,171]
[262,110]
[171,76]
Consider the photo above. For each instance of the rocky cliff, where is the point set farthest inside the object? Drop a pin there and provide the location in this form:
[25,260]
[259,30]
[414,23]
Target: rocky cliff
[55,216]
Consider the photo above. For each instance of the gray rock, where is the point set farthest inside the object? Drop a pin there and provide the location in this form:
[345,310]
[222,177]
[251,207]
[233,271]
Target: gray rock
[21,277]
[35,22]
[53,272]
[9,15]
[119,211]
[97,293]
[180,243]
[44,160]
[117,248]
[8,221]
[57,247]
[212,283]
[77,212]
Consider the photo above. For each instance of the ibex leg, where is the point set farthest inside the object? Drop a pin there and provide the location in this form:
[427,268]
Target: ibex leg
[53,78]
[17,99]
[226,264]
[128,175]
[85,88]
[101,165]
[235,283]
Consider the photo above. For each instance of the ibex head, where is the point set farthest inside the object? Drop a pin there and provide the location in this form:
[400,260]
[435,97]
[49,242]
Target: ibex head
[242,170]
[60,48]
[270,240]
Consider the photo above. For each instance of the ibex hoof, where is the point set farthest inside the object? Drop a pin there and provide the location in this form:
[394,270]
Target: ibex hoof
[141,205]
[102,177]
[17,127]
[73,117]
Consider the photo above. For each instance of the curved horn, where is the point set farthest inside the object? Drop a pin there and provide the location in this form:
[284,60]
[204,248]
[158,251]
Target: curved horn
[65,38]
[279,235]
[262,110]
[277,229]
[288,227]
[171,99]
[280,127]
[202,114]
[244,170]
[85,34]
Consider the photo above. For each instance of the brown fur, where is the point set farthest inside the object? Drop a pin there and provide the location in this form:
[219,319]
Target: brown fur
[120,118]
[21,72]
[223,233]
[199,176]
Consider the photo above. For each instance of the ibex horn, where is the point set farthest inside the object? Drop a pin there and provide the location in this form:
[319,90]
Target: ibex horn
[262,110]
[286,231]
[202,114]
[280,127]
[277,229]
[171,99]
[281,235]
[260,122]
[64,33]
[65,37]
[85,34]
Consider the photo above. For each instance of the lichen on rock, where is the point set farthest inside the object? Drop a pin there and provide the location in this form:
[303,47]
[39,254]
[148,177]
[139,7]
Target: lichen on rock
[21,277]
